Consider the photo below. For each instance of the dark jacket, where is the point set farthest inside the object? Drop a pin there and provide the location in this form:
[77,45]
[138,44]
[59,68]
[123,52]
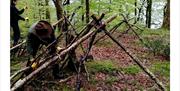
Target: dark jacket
[15,14]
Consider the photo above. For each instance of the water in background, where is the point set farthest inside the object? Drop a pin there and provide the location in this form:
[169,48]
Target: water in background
[157,14]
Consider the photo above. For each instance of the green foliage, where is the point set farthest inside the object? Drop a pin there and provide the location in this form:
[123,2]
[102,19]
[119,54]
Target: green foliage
[105,66]
[131,70]
[155,45]
[155,32]
[32,13]
[157,41]
[111,79]
[66,88]
[93,81]
[15,67]
[16,63]
[166,50]
[158,46]
[168,87]
[161,68]
[104,43]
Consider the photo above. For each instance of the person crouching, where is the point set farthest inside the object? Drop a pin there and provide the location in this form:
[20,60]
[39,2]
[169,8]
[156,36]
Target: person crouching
[39,33]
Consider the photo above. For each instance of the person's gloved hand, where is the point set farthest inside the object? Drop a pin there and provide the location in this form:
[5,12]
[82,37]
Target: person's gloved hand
[26,18]
[34,65]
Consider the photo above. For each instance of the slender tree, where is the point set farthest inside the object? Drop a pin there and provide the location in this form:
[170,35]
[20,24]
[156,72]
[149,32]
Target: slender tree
[140,10]
[47,10]
[148,13]
[166,20]
[135,11]
[82,8]
[87,11]
[59,10]
[67,3]
[98,7]
[110,2]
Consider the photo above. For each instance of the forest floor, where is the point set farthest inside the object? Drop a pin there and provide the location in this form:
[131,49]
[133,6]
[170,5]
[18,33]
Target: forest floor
[113,70]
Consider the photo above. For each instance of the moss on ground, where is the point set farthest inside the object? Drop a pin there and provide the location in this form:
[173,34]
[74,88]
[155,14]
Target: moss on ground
[105,66]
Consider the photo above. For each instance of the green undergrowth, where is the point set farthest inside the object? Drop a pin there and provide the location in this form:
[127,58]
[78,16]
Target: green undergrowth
[92,80]
[111,79]
[104,43]
[158,32]
[65,88]
[109,67]
[168,87]
[157,41]
[58,87]
[161,68]
[131,70]
[105,66]
[16,63]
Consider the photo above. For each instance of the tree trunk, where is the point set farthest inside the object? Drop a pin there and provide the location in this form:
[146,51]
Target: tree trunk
[140,10]
[59,11]
[82,7]
[40,9]
[148,13]
[47,11]
[135,11]
[87,11]
[166,20]
[110,2]
[67,2]
[98,7]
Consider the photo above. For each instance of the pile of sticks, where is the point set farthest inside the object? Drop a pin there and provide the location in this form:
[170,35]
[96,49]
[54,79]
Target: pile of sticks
[88,32]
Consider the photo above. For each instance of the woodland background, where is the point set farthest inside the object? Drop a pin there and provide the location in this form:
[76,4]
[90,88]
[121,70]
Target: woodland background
[111,69]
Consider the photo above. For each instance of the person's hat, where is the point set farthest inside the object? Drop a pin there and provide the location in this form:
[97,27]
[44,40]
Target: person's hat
[43,30]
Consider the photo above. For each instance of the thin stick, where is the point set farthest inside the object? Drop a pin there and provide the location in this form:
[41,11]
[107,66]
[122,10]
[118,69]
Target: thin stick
[57,22]
[18,72]
[18,45]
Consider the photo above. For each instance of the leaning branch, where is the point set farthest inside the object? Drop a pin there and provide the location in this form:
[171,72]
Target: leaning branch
[18,72]
[18,45]
[137,61]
